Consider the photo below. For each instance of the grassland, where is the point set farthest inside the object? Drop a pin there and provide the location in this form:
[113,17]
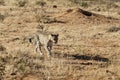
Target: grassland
[88,47]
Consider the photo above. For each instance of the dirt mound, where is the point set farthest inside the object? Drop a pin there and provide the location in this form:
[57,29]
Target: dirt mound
[78,15]
[77,12]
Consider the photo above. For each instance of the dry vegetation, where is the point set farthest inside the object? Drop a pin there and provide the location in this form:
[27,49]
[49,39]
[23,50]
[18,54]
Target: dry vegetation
[88,47]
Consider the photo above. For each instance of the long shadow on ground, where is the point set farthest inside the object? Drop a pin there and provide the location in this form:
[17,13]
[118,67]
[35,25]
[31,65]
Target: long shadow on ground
[81,57]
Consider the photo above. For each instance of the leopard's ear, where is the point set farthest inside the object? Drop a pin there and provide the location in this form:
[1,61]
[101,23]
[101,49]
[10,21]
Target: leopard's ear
[30,40]
[52,34]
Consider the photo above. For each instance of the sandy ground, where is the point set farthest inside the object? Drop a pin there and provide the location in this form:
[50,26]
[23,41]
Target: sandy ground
[88,46]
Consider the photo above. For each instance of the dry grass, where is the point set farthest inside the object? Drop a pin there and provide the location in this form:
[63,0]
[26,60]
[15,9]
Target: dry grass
[88,47]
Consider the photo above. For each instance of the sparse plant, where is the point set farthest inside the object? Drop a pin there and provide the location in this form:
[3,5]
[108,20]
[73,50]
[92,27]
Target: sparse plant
[114,29]
[2,68]
[81,3]
[75,1]
[21,3]
[48,19]
[2,17]
[40,18]
[40,3]
[84,4]
[2,2]
[2,48]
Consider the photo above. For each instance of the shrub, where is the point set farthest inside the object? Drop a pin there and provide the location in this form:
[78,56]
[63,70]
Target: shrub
[2,2]
[114,29]
[21,3]
[79,2]
[84,4]
[2,17]
[2,48]
[75,1]
[40,3]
